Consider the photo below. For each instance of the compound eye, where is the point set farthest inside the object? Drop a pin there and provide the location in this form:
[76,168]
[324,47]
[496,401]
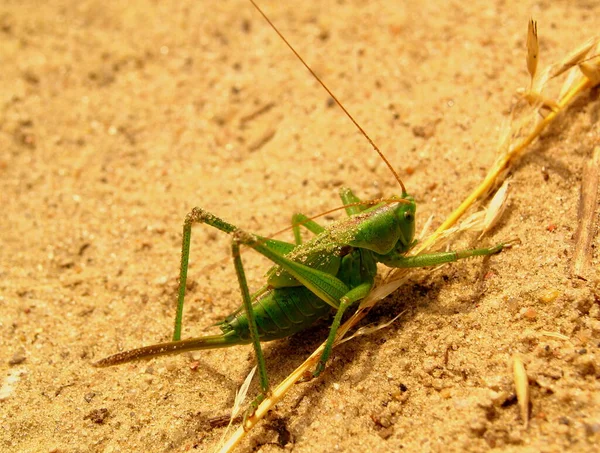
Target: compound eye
[408,216]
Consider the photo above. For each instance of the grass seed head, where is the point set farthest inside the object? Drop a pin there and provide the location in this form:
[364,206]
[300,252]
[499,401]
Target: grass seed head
[591,69]
[533,48]
[573,58]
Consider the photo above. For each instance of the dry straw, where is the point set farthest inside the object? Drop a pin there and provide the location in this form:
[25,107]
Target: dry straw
[581,68]
[521,388]
[586,215]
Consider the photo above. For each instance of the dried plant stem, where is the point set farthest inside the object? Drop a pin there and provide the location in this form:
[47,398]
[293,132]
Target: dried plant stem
[277,394]
[587,208]
[503,162]
[522,388]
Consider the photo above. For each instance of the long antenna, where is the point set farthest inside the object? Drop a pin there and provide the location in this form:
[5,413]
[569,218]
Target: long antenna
[362,131]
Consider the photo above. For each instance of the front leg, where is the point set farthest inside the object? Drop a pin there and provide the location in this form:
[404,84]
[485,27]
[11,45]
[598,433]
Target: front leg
[352,202]
[303,220]
[197,215]
[326,286]
[395,259]
[352,296]
[252,327]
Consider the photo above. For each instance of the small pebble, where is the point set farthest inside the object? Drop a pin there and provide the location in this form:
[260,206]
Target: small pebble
[446,393]
[438,384]
[549,295]
[591,428]
[97,415]
[17,358]
[530,314]
[386,433]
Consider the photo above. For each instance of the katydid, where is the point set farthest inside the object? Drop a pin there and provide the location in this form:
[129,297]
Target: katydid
[332,271]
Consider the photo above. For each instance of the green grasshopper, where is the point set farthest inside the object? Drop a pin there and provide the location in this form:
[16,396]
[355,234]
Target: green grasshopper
[334,270]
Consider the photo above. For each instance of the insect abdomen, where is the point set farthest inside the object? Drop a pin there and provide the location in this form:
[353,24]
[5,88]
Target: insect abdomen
[280,313]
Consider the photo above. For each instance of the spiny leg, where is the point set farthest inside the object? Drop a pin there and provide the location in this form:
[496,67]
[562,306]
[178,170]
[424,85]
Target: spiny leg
[395,259]
[252,327]
[199,215]
[354,295]
[352,207]
[327,287]
[324,285]
[299,220]
[352,202]
[270,246]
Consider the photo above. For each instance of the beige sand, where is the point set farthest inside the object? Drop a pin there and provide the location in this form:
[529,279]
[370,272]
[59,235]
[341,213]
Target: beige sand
[117,120]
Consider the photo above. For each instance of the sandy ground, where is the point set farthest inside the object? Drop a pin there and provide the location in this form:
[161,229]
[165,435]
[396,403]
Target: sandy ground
[117,119]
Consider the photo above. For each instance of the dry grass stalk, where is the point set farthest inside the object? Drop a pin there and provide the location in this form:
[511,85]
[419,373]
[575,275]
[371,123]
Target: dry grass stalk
[587,209]
[558,335]
[574,58]
[533,49]
[591,70]
[521,388]
[240,397]
[521,134]
[526,129]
